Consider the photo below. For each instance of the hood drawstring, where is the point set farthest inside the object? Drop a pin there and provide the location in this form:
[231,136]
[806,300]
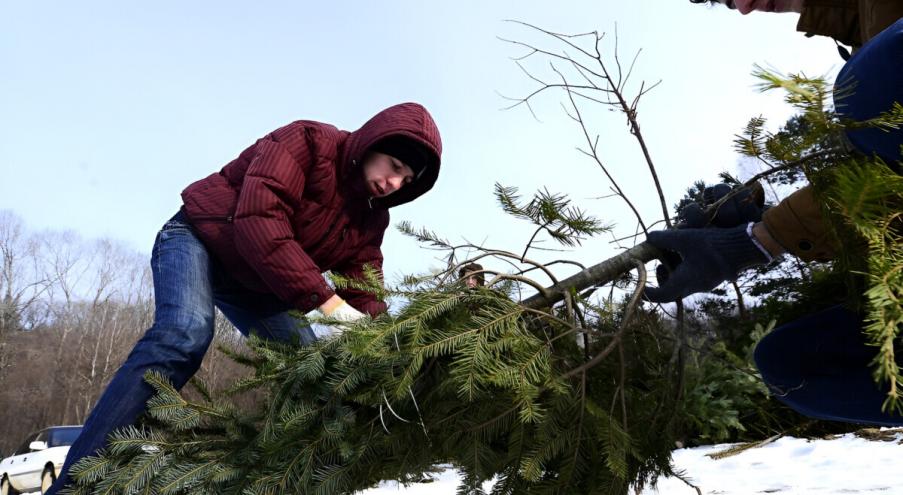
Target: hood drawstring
[369,198]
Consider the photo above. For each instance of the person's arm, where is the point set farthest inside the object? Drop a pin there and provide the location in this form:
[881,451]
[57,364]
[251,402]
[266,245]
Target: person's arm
[362,300]
[797,225]
[705,257]
[838,19]
[264,234]
[350,305]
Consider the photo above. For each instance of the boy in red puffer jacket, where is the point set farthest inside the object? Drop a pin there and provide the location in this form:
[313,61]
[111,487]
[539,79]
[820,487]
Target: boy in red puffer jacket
[254,240]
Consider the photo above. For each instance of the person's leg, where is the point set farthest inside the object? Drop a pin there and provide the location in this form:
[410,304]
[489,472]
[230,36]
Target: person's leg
[175,345]
[254,313]
[820,366]
[869,84]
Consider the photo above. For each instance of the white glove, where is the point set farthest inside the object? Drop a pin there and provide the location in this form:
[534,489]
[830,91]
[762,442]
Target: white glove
[344,313]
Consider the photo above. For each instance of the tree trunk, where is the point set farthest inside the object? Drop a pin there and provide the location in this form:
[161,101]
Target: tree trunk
[598,274]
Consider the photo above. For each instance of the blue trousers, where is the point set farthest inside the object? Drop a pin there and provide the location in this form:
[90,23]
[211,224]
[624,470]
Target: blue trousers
[820,366]
[187,286]
[869,84]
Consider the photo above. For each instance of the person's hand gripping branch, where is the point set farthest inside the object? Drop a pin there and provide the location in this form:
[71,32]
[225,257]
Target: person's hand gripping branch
[708,247]
[342,314]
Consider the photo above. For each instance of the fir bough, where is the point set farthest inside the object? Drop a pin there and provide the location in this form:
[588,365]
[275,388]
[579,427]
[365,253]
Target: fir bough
[465,378]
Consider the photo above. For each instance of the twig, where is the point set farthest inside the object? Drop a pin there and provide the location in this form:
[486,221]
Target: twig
[736,449]
[535,233]
[625,323]
[595,155]
[712,210]
[686,481]
[528,281]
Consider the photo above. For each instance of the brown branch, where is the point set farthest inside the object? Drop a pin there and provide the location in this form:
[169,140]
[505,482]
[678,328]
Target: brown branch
[533,237]
[564,38]
[543,314]
[548,53]
[615,87]
[633,236]
[525,280]
[630,112]
[507,254]
[625,323]
[595,155]
[712,210]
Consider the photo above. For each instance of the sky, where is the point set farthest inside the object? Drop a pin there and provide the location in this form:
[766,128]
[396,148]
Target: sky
[110,108]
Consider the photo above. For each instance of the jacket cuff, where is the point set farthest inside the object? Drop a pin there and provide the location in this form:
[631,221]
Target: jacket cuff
[374,308]
[838,19]
[765,252]
[797,224]
[311,300]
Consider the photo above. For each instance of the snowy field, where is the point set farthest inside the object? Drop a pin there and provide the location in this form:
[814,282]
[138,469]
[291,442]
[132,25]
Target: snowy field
[788,466]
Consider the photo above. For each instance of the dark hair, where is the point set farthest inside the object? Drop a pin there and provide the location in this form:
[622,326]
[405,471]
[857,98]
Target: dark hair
[712,2]
[471,268]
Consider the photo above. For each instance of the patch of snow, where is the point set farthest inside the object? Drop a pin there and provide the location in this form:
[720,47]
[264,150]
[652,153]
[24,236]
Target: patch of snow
[788,466]
[791,466]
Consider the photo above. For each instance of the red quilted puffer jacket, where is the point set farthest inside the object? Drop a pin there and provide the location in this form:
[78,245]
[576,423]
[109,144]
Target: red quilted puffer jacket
[294,205]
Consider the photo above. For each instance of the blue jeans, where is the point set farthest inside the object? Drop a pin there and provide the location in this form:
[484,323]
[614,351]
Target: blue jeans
[187,286]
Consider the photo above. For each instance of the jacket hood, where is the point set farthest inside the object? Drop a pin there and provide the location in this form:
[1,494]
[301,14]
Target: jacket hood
[411,121]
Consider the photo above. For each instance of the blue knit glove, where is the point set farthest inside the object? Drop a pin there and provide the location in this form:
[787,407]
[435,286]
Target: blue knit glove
[707,257]
[744,207]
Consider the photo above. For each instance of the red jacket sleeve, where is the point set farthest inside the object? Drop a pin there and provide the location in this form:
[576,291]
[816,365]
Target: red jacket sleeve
[363,301]
[263,231]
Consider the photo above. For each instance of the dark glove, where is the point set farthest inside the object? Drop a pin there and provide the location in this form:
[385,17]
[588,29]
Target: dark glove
[744,207]
[707,258]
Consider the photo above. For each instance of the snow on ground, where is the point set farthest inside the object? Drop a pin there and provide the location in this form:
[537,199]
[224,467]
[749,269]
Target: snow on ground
[788,466]
[845,465]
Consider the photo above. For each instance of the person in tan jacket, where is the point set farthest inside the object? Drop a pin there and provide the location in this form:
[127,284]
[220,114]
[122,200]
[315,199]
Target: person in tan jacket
[796,224]
[818,365]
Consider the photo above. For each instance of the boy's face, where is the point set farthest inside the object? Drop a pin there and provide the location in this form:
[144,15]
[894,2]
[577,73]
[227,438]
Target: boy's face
[747,6]
[384,174]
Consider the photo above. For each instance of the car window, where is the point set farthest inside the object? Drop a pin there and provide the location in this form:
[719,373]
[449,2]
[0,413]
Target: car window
[63,436]
[23,449]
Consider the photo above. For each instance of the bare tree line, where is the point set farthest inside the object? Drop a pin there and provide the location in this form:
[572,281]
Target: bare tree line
[70,311]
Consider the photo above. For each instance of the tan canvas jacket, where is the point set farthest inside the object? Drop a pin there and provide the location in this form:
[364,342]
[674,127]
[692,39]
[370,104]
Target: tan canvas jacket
[797,223]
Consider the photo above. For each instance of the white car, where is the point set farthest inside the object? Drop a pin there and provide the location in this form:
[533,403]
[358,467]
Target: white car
[35,464]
